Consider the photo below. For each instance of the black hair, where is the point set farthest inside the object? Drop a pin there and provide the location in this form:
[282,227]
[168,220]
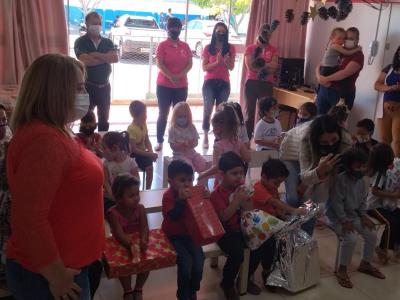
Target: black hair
[115,138]
[89,117]
[274,168]
[396,60]
[229,160]
[381,157]
[92,13]
[339,113]
[2,107]
[368,124]
[355,31]
[174,22]
[177,167]
[323,124]
[238,109]
[136,108]
[225,44]
[353,155]
[121,183]
[311,108]
[265,104]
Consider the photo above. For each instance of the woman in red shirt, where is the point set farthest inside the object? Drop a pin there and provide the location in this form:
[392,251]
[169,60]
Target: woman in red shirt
[261,61]
[218,60]
[56,186]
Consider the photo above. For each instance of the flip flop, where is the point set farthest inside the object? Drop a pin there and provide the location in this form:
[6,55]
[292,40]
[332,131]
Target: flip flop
[344,280]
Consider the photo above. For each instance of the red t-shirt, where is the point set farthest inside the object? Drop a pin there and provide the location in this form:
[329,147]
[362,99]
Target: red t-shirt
[220,201]
[220,71]
[175,59]
[57,199]
[267,54]
[169,226]
[349,83]
[262,196]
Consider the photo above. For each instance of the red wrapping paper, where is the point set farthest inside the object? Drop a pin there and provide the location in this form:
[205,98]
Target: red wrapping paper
[160,254]
[201,220]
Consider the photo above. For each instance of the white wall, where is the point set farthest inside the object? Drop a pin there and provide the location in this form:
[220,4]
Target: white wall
[365,19]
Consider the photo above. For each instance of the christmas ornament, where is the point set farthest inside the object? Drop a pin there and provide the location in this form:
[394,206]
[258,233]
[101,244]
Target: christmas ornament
[304,18]
[289,15]
[313,12]
[323,13]
[332,12]
[275,23]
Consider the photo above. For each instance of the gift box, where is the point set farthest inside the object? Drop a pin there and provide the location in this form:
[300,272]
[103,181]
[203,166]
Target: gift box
[159,254]
[201,220]
[258,226]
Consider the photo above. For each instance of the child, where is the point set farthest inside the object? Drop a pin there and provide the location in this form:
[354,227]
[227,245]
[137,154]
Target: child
[140,146]
[266,197]
[90,139]
[183,137]
[346,210]
[190,258]
[225,127]
[364,131]
[229,198]
[242,130]
[116,162]
[307,112]
[383,203]
[335,49]
[267,134]
[128,216]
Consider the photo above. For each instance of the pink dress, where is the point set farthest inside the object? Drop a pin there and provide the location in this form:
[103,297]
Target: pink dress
[128,226]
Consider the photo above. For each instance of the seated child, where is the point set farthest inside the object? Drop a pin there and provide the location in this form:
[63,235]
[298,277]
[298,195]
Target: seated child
[242,130]
[140,145]
[364,131]
[229,199]
[307,112]
[268,131]
[90,139]
[190,258]
[128,216]
[346,210]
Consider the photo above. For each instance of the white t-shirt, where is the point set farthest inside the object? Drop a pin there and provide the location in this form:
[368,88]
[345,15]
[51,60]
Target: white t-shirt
[114,169]
[178,135]
[267,132]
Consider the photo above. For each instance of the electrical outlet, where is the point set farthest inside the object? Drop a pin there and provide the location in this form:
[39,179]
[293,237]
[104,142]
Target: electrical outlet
[387,46]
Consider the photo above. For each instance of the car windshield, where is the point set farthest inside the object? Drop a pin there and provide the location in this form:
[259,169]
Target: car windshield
[140,23]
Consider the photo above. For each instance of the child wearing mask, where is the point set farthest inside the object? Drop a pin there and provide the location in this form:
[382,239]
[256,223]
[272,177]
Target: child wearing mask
[364,131]
[90,139]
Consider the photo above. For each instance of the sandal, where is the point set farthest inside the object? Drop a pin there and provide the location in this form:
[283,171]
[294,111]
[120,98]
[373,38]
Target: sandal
[128,295]
[138,294]
[369,269]
[344,280]
[382,255]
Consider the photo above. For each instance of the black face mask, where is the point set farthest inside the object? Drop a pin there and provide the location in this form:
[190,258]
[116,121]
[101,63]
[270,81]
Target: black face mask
[355,174]
[329,149]
[174,34]
[220,37]
[262,40]
[87,130]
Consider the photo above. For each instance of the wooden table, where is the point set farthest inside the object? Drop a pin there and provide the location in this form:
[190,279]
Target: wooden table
[293,98]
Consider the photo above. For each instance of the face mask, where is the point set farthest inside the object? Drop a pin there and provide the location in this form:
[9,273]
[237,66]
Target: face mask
[181,121]
[174,34]
[329,149]
[81,107]
[220,37]
[87,130]
[94,29]
[363,139]
[349,44]
[355,174]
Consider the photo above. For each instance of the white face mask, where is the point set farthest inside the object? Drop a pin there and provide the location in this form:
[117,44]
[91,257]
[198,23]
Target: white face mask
[94,29]
[81,107]
[349,44]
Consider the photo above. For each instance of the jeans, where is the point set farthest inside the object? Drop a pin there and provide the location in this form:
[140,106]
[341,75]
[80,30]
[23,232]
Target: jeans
[26,285]
[215,91]
[292,182]
[390,125]
[100,97]
[190,262]
[167,97]
[326,99]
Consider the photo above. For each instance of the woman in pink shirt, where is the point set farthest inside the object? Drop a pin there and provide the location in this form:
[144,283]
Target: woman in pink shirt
[261,61]
[218,59]
[174,59]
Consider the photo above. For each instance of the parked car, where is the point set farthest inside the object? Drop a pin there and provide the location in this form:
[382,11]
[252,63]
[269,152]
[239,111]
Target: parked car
[136,35]
[199,34]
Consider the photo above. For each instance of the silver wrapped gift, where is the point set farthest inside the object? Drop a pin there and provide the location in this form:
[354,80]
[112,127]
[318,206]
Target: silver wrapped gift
[297,265]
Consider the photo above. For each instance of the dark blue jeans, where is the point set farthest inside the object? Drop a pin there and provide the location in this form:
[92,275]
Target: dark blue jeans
[190,262]
[26,285]
[215,91]
[326,99]
[100,97]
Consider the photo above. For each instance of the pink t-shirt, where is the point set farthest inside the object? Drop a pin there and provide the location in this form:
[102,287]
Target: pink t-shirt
[221,71]
[267,54]
[175,59]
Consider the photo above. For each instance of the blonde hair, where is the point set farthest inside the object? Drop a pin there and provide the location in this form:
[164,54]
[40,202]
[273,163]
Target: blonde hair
[335,31]
[178,108]
[47,91]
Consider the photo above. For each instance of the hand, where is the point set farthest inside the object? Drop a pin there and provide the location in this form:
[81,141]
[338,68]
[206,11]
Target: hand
[227,58]
[174,78]
[153,156]
[323,80]
[367,223]
[240,195]
[300,211]
[347,227]
[144,244]
[64,287]
[219,58]
[326,164]
[184,193]
[394,87]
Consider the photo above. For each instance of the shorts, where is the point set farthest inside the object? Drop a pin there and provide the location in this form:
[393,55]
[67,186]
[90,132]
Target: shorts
[143,162]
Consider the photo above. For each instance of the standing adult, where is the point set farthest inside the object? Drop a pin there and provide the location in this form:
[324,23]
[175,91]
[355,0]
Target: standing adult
[341,84]
[174,59]
[218,60]
[57,226]
[97,54]
[388,82]
[261,60]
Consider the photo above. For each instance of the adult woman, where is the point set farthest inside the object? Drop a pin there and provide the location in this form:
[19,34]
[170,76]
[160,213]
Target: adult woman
[261,61]
[56,186]
[388,82]
[320,147]
[218,59]
[174,59]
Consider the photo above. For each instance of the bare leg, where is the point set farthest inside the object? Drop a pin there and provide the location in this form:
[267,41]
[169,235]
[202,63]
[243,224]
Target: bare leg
[149,177]
[126,285]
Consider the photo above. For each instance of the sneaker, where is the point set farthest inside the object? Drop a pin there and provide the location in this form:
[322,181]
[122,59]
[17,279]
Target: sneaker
[231,293]
[252,288]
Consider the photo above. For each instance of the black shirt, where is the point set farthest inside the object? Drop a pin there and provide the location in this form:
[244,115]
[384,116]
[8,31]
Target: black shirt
[363,146]
[96,74]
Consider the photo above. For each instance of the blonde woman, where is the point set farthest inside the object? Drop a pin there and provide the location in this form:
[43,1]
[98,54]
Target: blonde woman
[56,186]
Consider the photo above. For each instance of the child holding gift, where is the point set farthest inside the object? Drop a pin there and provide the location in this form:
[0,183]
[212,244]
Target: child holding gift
[127,217]
[190,258]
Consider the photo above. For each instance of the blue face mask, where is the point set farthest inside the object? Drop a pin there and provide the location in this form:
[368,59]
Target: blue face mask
[181,121]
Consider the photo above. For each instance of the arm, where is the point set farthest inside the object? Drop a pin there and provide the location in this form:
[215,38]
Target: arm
[268,143]
[107,183]
[90,60]
[136,150]
[230,60]
[233,207]
[119,233]
[207,66]
[214,168]
[178,209]
[280,205]
[273,65]
[163,68]
[380,85]
[109,57]
[308,173]
[245,153]
[187,69]
[344,51]
[249,60]
[384,194]
[144,228]
[351,68]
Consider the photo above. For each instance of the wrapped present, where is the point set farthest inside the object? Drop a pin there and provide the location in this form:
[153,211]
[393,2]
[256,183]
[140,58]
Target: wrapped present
[202,221]
[258,226]
[159,254]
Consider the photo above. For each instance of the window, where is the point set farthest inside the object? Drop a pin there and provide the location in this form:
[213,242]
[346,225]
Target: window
[141,23]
